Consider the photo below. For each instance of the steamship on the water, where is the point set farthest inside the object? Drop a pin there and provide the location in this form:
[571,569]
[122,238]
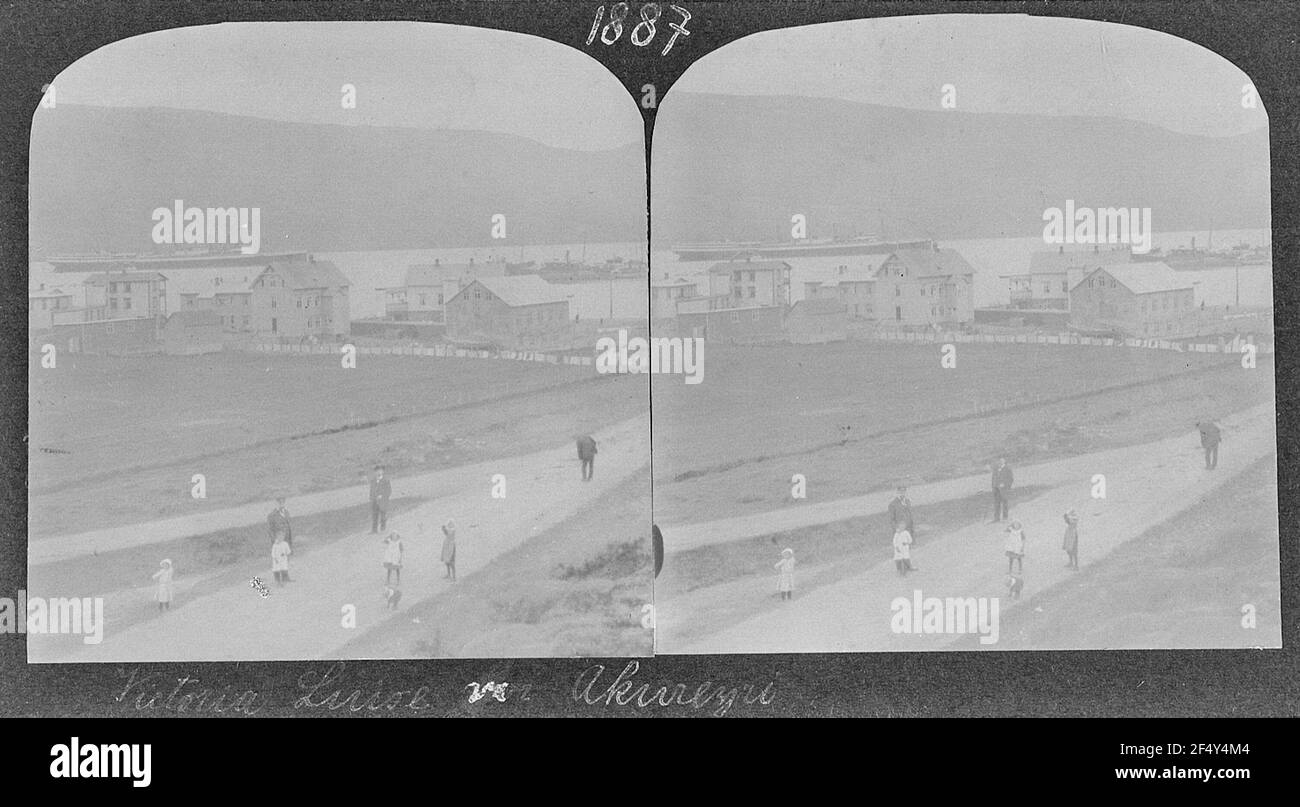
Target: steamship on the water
[810,248]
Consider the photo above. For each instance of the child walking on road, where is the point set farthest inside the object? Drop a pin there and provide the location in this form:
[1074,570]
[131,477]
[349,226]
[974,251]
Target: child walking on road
[164,578]
[449,549]
[1015,546]
[393,558]
[902,549]
[280,552]
[1070,543]
[785,580]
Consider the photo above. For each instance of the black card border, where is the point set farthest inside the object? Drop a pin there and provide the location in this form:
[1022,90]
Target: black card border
[41,38]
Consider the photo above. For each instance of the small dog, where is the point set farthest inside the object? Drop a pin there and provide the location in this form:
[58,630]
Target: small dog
[1014,584]
[394,596]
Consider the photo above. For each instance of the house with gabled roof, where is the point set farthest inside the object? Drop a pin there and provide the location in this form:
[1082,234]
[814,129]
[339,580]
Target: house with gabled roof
[514,312]
[1144,300]
[300,300]
[128,294]
[1051,275]
[925,287]
[426,287]
[749,282]
[42,303]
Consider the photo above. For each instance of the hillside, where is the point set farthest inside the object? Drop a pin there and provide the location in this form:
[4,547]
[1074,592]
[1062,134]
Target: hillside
[737,168]
[98,173]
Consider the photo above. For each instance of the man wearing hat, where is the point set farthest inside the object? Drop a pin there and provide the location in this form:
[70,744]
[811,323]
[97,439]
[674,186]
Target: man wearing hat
[587,456]
[1070,542]
[1002,480]
[278,522]
[380,490]
[1210,438]
[900,510]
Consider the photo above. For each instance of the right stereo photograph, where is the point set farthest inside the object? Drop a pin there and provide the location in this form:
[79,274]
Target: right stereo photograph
[979,319]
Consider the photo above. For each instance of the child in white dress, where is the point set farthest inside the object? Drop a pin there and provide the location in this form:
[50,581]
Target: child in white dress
[785,580]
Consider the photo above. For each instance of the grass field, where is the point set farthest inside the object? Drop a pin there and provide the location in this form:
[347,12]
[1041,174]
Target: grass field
[116,440]
[855,417]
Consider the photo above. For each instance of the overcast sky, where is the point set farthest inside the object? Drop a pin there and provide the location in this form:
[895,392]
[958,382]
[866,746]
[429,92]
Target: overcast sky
[997,63]
[420,75]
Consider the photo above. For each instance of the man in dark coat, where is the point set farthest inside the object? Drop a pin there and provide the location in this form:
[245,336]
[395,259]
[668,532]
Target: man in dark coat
[1210,438]
[900,512]
[1002,480]
[278,522]
[587,454]
[380,490]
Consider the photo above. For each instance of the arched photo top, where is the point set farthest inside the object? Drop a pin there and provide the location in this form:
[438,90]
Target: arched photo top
[955,126]
[405,74]
[997,63]
[348,135]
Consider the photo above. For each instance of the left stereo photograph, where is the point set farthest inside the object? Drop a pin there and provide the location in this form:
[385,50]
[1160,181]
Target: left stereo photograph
[315,319]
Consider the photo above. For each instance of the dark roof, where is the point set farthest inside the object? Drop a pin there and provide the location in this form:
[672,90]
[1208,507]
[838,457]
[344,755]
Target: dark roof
[517,290]
[117,277]
[819,306]
[930,262]
[308,274]
[1143,278]
[727,267]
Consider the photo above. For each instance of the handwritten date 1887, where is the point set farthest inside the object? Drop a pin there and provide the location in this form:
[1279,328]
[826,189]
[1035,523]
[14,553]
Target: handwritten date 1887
[643,33]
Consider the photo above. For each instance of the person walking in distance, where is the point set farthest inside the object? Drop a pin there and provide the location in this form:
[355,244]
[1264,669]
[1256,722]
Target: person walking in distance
[785,576]
[380,490]
[280,553]
[164,578]
[587,455]
[393,559]
[900,510]
[278,522]
[902,549]
[1210,438]
[1015,547]
[1002,480]
[1070,542]
[449,549]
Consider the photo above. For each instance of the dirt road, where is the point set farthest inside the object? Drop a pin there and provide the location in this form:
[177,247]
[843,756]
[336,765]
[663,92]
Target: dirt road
[1145,485]
[304,619]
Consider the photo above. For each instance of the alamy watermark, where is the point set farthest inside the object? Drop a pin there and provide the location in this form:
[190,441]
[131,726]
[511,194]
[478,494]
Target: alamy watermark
[951,615]
[25,614]
[1103,225]
[681,356]
[214,225]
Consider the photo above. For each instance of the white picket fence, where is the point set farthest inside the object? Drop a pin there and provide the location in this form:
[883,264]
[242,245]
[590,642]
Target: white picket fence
[437,351]
[1234,345]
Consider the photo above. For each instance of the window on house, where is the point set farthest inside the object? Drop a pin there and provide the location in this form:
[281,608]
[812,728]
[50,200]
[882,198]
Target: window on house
[754,315]
[735,316]
[126,303]
[1065,286]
